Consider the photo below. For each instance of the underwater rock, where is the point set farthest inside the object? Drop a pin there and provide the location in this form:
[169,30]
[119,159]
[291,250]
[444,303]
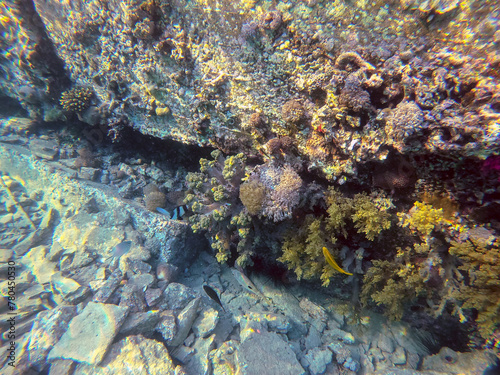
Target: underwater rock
[64,285]
[47,329]
[200,363]
[152,295]
[318,359]
[206,322]
[316,314]
[254,357]
[133,298]
[449,361]
[176,296]
[81,343]
[140,323]
[183,353]
[223,358]
[386,343]
[167,326]
[89,173]
[45,149]
[105,292]
[62,367]
[129,355]
[36,261]
[335,334]
[185,321]
[399,356]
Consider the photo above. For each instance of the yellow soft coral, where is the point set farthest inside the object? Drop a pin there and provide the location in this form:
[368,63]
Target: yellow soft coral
[422,218]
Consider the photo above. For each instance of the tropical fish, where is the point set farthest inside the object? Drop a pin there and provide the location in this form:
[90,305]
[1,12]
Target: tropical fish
[163,212]
[120,249]
[332,262]
[246,283]
[177,213]
[213,295]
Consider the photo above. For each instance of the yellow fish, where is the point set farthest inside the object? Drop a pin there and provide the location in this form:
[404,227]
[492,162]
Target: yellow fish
[332,262]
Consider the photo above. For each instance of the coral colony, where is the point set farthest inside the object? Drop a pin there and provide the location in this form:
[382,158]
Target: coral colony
[349,145]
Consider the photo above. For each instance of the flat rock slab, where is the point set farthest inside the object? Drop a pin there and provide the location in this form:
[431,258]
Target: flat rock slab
[90,334]
[267,353]
[131,356]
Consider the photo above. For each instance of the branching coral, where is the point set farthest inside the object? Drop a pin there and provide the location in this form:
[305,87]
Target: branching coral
[213,194]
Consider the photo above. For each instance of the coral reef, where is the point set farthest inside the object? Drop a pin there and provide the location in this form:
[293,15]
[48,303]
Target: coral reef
[77,99]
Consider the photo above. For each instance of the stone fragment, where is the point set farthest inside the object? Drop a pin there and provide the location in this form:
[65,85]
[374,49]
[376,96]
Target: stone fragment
[141,281]
[138,266]
[451,362]
[132,356]
[313,338]
[109,287]
[266,353]
[90,334]
[152,296]
[206,322]
[318,359]
[133,298]
[47,329]
[351,364]
[142,323]
[71,291]
[36,261]
[200,363]
[62,367]
[386,343]
[45,149]
[224,357]
[399,356]
[341,351]
[176,296]
[183,353]
[185,321]
[167,326]
[335,334]
[89,173]
[314,313]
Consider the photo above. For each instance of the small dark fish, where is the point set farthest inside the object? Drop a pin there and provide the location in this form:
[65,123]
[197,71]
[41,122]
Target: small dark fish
[213,295]
[120,249]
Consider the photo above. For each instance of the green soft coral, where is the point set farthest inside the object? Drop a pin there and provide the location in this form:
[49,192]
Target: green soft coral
[480,259]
